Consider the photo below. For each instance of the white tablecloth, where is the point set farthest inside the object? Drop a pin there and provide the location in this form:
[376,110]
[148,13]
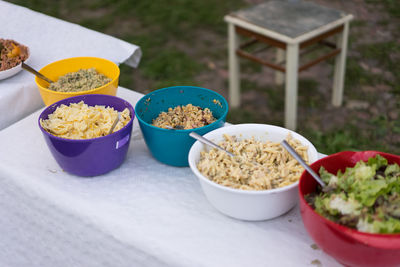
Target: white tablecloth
[142,214]
[49,39]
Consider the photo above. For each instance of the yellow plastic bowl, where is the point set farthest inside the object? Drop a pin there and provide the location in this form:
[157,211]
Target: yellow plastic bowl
[64,66]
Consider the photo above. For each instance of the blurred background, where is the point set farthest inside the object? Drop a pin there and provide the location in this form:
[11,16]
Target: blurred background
[184,42]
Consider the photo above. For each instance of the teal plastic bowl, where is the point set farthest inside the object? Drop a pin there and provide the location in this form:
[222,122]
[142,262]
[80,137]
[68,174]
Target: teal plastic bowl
[172,146]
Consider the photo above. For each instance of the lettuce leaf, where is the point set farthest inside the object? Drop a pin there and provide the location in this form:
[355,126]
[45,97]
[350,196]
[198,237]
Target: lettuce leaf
[366,196]
[378,161]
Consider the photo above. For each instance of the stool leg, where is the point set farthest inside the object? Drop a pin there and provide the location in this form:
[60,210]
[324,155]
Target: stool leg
[280,57]
[340,67]
[292,69]
[234,71]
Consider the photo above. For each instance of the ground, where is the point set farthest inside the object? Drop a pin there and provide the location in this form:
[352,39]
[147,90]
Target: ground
[185,43]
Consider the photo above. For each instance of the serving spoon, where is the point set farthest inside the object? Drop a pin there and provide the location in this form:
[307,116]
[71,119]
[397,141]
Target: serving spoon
[38,74]
[208,142]
[297,157]
[177,127]
[115,123]
[201,139]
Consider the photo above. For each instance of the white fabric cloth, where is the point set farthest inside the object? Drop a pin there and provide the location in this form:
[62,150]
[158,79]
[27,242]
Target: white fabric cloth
[49,39]
[142,214]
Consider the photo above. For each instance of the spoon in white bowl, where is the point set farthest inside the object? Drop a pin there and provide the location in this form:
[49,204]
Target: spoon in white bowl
[210,143]
[297,157]
[115,123]
[38,74]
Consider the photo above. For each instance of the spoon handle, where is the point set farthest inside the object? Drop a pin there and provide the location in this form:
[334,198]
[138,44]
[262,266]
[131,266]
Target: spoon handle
[115,123]
[293,152]
[41,76]
[208,142]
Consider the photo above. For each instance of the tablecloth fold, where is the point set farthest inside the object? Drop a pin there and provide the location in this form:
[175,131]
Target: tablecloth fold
[49,39]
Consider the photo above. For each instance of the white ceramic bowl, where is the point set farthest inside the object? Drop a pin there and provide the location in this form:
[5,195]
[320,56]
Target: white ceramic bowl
[4,74]
[245,204]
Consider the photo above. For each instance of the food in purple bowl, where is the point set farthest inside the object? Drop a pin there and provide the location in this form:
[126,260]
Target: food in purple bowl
[90,156]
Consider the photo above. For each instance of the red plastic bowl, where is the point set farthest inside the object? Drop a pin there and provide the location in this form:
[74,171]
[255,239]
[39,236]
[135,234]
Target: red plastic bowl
[348,246]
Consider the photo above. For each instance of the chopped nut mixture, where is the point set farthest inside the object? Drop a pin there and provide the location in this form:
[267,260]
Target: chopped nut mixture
[81,80]
[184,117]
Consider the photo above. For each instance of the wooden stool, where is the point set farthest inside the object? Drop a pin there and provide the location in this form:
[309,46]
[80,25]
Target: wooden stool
[290,27]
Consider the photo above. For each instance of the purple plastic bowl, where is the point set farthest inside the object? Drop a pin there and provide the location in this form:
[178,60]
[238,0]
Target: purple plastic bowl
[90,157]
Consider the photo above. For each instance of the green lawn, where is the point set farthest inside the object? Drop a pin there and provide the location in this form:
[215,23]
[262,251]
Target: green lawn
[184,43]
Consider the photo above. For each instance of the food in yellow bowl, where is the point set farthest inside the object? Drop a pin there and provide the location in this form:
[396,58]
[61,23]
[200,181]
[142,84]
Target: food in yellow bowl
[60,68]
[81,80]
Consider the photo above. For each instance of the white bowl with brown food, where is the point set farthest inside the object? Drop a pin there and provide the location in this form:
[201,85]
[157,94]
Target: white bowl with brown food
[12,54]
[261,181]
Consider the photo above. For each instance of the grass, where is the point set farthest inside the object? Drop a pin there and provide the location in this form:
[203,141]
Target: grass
[162,63]
[179,15]
[179,40]
[357,76]
[386,55]
[344,138]
[391,6]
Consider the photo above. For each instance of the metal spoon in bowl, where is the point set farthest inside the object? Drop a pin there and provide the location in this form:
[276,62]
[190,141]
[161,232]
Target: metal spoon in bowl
[115,123]
[38,74]
[177,127]
[297,157]
[210,143]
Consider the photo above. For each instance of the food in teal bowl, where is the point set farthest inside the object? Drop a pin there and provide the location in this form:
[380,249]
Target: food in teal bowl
[186,109]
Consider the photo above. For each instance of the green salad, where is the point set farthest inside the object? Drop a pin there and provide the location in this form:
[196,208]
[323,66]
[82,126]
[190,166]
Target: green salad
[365,197]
